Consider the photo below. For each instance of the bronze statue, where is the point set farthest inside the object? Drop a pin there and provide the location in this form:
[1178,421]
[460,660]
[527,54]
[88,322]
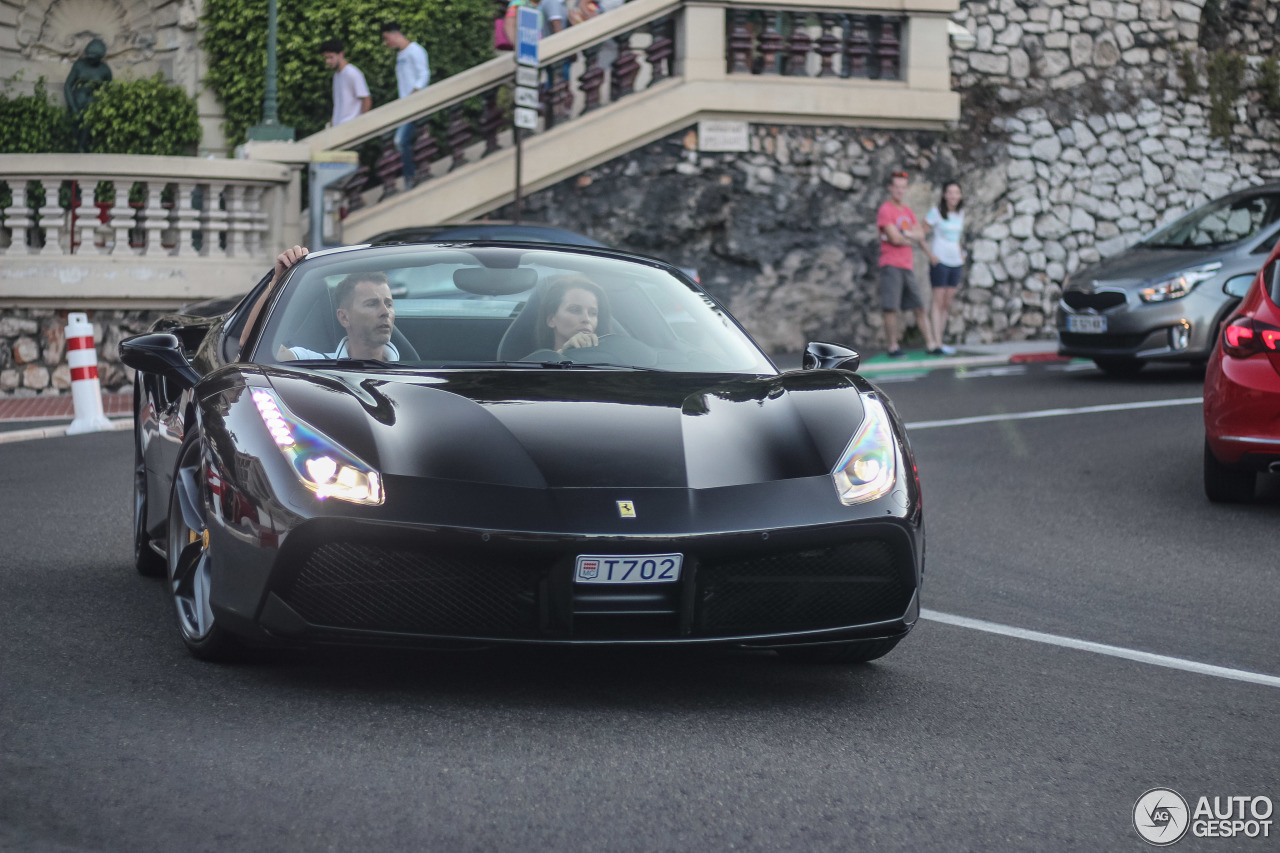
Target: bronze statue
[87,74]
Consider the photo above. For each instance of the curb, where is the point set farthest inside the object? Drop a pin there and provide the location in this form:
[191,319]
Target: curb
[54,431]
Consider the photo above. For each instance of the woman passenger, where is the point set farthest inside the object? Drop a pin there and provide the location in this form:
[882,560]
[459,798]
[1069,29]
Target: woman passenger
[573,308]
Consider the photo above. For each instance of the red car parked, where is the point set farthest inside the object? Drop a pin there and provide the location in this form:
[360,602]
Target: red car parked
[1242,390]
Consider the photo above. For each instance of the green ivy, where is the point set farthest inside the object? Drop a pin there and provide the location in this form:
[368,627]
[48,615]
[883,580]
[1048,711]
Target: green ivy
[457,34]
[1226,76]
[1269,83]
[33,124]
[149,116]
[1187,71]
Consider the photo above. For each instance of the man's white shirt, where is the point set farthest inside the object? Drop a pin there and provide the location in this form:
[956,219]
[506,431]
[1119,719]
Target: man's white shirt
[349,88]
[300,353]
[412,71]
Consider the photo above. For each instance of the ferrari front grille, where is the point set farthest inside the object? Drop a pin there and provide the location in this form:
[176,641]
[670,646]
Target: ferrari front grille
[809,590]
[375,588]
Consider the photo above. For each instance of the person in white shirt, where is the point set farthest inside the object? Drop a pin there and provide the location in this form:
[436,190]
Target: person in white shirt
[413,72]
[946,256]
[350,91]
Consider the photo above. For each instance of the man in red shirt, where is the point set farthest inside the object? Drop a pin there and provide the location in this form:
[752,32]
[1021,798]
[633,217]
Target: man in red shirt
[898,230]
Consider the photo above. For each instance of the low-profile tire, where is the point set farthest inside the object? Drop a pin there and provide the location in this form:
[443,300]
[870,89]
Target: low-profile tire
[856,651]
[1224,484]
[1121,368]
[146,559]
[188,563]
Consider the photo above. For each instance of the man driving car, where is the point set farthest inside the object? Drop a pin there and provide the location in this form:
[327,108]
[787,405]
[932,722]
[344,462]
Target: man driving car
[365,309]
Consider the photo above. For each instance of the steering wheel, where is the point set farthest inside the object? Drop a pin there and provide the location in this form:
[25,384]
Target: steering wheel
[622,350]
[406,350]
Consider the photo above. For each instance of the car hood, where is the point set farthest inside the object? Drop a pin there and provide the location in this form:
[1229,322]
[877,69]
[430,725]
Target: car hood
[1139,266]
[583,429]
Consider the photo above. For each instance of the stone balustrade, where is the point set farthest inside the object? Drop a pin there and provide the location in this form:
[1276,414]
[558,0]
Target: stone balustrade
[111,230]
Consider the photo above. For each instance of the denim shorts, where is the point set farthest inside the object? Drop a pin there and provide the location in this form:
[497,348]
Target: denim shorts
[898,289]
[941,275]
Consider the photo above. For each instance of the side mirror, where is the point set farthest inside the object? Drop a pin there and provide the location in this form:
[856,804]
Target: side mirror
[823,356]
[1238,285]
[160,353]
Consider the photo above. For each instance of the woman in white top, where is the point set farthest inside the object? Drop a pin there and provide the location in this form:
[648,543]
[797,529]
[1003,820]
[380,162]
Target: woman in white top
[946,257]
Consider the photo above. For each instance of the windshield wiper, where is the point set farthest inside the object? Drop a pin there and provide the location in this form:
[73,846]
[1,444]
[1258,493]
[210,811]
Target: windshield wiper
[545,365]
[346,363]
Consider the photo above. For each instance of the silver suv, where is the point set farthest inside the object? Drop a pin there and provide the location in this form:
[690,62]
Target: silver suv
[1165,297]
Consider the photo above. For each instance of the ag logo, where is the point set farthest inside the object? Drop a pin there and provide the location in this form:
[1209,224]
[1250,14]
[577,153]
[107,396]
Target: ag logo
[1161,817]
[626,509]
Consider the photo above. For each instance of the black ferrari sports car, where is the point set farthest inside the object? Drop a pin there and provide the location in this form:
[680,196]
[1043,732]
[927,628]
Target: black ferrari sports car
[526,444]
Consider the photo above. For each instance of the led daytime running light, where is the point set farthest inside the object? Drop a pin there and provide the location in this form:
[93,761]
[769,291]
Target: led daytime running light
[868,468]
[323,466]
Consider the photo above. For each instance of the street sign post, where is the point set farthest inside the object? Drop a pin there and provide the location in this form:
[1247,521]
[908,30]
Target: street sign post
[528,32]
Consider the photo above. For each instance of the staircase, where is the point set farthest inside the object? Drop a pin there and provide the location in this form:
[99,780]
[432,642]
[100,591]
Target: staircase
[637,74]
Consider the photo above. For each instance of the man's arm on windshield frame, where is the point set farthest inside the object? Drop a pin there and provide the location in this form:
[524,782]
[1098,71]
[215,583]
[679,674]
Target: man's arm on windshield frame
[284,261]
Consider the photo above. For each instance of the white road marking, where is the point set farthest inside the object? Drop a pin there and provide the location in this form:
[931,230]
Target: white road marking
[885,378]
[1055,413]
[979,372]
[1102,649]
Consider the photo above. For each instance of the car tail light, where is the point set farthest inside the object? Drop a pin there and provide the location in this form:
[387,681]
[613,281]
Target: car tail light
[1245,336]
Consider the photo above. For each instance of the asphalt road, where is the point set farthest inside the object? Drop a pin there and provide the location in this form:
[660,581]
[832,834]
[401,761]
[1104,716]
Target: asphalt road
[1090,526]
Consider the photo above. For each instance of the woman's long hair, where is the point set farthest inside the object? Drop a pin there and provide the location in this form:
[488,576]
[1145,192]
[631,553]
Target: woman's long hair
[942,203]
[554,295]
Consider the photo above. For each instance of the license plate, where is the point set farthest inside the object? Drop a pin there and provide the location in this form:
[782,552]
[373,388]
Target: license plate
[1092,324]
[609,568]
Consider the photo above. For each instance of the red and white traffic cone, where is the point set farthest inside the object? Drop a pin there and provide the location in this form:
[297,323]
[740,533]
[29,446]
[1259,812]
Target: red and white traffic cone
[86,391]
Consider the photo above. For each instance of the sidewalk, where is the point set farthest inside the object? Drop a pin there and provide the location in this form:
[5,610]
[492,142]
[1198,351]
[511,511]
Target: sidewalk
[24,418]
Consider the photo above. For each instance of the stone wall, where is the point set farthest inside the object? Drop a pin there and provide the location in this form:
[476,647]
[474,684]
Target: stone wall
[33,344]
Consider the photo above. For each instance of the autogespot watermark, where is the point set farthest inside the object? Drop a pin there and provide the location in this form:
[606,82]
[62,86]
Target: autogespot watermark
[1162,816]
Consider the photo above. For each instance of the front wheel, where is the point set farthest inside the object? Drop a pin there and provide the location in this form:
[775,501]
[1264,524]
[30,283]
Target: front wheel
[1121,368]
[856,651]
[1223,484]
[189,562]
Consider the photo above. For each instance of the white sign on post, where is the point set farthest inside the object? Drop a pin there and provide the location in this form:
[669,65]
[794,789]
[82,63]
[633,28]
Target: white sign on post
[724,136]
[526,97]
[527,75]
[526,117]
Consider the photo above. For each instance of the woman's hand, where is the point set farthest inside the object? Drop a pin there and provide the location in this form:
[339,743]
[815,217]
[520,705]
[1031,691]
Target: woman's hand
[581,339]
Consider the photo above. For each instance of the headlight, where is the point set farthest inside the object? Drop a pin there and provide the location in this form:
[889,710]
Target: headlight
[1178,286]
[322,465]
[869,467]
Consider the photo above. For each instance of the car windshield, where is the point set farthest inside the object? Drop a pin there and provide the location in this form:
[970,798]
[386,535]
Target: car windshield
[1218,223]
[499,307]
